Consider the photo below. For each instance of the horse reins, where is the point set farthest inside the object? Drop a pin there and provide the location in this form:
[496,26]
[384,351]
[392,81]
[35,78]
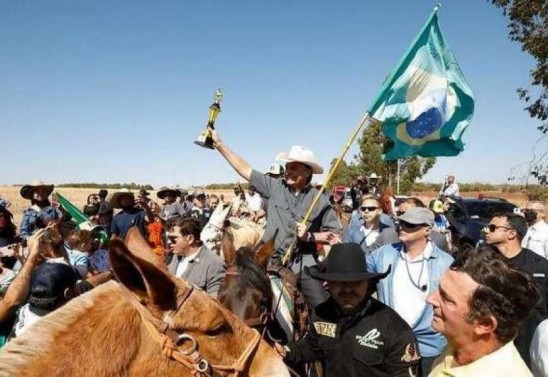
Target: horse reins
[170,341]
[266,314]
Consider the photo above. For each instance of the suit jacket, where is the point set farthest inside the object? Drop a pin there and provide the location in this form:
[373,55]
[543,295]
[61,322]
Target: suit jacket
[206,271]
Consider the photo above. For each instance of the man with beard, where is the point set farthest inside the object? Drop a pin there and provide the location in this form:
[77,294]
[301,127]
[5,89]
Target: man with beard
[536,238]
[41,212]
[289,200]
[506,231]
[351,332]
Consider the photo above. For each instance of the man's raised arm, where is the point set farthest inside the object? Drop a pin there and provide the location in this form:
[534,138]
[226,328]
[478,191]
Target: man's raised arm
[239,164]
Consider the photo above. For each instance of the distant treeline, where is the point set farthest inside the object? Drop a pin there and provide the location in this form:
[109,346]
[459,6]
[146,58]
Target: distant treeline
[131,186]
[224,186]
[535,192]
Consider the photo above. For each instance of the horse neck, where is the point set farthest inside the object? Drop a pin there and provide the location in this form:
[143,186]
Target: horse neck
[98,334]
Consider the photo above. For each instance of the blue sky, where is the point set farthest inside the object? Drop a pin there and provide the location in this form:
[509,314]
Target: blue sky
[116,91]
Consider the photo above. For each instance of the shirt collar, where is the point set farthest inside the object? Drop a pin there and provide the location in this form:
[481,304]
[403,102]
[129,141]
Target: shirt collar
[427,253]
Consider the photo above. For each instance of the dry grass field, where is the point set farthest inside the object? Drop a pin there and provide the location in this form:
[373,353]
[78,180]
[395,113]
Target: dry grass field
[78,197]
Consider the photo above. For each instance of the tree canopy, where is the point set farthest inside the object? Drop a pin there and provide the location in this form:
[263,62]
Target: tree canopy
[528,25]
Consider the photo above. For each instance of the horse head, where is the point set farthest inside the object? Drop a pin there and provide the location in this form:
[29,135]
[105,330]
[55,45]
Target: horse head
[199,333]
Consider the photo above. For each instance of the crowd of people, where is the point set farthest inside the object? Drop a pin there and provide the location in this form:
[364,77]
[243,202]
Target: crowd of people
[389,293]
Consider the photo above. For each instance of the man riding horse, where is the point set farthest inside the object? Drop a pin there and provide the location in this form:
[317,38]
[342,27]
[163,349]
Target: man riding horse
[289,199]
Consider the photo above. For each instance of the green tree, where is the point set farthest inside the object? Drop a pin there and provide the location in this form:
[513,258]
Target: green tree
[528,25]
[372,146]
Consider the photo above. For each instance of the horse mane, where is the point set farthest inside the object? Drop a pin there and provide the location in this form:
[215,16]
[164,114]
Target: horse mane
[253,274]
[245,232]
[40,337]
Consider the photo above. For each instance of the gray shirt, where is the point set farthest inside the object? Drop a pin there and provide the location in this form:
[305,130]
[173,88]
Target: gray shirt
[174,209]
[286,208]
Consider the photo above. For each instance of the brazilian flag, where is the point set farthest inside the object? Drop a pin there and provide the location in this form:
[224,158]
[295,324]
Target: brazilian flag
[425,105]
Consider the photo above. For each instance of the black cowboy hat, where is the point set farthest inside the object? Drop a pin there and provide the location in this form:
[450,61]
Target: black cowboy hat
[167,190]
[345,262]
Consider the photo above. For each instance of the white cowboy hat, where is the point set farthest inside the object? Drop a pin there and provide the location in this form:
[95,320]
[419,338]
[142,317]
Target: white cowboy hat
[303,155]
[114,202]
[27,190]
[374,176]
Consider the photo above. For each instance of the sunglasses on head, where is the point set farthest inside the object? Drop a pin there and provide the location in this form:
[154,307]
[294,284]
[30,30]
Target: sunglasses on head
[370,209]
[493,227]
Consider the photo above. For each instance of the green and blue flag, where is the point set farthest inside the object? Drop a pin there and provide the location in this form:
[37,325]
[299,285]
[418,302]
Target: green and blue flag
[426,104]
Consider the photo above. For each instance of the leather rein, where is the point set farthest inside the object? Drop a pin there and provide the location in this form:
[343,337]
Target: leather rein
[266,314]
[171,342]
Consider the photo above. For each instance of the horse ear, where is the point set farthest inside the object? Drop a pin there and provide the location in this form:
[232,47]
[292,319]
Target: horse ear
[149,283]
[264,251]
[227,247]
[141,248]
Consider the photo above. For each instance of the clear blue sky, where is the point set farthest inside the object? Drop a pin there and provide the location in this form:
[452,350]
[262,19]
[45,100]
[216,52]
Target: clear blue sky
[116,91]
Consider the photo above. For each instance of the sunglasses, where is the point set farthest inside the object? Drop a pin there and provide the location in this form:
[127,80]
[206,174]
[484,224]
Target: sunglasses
[172,239]
[493,227]
[370,209]
[405,224]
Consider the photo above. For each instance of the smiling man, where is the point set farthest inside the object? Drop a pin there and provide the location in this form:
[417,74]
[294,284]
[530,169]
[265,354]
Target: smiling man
[478,307]
[289,200]
[352,333]
[417,265]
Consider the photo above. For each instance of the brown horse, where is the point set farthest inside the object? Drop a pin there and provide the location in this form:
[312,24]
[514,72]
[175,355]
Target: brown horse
[151,324]
[247,290]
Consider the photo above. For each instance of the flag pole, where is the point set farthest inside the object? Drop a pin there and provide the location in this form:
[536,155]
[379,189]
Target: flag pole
[365,121]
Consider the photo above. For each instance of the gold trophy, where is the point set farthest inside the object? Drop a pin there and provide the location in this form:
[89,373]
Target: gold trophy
[205,140]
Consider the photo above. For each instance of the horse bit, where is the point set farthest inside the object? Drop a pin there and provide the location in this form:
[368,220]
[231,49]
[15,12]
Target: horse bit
[171,341]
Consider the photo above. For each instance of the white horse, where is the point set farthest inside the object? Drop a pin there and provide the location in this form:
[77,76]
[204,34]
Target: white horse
[244,231]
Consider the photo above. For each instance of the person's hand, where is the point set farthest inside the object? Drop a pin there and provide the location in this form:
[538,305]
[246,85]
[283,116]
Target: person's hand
[34,241]
[141,202]
[301,231]
[215,137]
[333,238]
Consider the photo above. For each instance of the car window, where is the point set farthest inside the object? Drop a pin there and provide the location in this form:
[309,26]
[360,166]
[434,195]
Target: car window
[486,210]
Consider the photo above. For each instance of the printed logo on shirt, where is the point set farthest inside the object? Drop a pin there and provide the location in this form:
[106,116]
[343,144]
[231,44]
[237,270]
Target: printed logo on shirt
[410,354]
[370,339]
[326,328]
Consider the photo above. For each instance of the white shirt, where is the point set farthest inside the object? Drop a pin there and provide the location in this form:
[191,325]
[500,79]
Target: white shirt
[539,350]
[370,235]
[254,202]
[183,264]
[536,238]
[450,190]
[410,301]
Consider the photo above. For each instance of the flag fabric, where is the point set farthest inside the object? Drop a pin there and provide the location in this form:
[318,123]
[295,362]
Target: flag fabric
[426,104]
[82,222]
[78,217]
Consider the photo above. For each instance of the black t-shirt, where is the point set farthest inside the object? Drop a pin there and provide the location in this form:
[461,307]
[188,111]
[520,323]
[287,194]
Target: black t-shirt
[537,266]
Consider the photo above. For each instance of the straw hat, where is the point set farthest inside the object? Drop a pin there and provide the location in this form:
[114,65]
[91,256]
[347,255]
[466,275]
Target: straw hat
[303,155]
[27,190]
[374,176]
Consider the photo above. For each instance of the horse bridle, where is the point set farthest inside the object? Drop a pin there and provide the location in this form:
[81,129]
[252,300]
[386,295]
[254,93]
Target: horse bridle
[262,319]
[170,341]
